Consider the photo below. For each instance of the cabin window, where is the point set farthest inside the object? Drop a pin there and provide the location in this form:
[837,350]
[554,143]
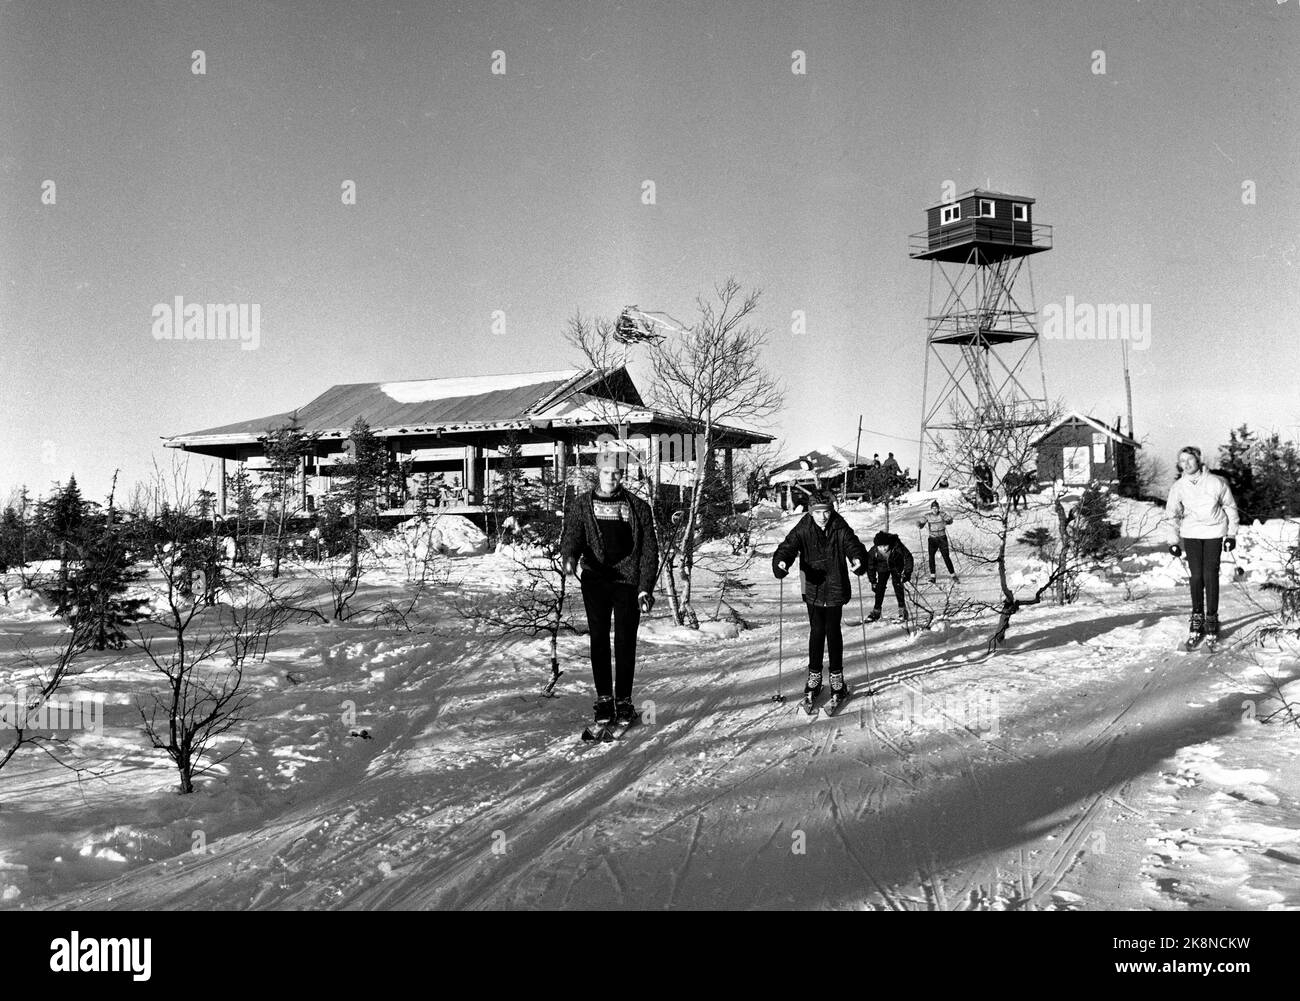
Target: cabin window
[986,208]
[949,213]
[1099,448]
[1019,213]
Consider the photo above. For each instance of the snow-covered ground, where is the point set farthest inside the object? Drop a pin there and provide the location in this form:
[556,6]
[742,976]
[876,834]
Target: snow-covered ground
[1092,764]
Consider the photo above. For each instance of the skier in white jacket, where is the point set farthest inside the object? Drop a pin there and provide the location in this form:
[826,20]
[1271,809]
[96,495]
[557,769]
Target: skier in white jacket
[1201,516]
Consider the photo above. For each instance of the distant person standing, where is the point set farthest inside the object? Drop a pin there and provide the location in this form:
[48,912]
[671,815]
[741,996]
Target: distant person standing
[1201,515]
[891,465]
[937,522]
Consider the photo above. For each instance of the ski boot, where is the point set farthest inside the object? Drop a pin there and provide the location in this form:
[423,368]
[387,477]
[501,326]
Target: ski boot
[1195,631]
[875,614]
[901,618]
[625,715]
[932,580]
[1211,632]
[839,695]
[811,691]
[602,728]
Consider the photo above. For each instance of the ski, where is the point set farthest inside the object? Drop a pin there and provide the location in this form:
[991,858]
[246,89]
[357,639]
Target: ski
[619,727]
[836,703]
[809,702]
[599,733]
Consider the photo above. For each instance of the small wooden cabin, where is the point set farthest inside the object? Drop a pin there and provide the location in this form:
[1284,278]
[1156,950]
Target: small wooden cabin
[994,223]
[1079,450]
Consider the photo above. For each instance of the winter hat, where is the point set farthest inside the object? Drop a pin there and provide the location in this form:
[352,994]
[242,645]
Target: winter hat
[883,539]
[820,501]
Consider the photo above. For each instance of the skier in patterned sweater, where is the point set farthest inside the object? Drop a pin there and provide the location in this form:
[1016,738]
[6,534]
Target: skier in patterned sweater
[824,544]
[937,521]
[1201,519]
[609,545]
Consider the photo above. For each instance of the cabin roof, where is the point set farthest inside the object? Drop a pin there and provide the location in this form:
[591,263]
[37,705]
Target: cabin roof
[1074,417]
[983,193]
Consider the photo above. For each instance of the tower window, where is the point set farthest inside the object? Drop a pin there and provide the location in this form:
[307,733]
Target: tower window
[950,213]
[986,208]
[1019,213]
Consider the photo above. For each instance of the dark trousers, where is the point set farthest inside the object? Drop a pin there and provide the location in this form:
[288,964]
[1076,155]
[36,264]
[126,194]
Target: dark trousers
[824,633]
[1203,561]
[939,544]
[881,582]
[604,599]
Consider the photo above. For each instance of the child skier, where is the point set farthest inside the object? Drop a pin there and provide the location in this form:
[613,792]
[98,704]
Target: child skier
[937,522]
[1201,514]
[609,544]
[889,560]
[824,543]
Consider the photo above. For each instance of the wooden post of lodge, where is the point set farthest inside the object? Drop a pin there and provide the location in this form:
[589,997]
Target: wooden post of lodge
[302,496]
[223,488]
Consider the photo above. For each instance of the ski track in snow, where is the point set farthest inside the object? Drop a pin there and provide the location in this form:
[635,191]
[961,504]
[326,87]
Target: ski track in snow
[1112,771]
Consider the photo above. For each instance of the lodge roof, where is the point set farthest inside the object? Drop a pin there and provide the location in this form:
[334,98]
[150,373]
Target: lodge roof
[484,402]
[1074,417]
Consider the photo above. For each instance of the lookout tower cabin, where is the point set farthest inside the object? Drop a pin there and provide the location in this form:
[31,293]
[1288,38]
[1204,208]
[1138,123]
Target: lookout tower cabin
[980,227]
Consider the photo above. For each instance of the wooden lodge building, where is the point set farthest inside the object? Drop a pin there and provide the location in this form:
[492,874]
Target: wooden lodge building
[1079,450]
[454,428]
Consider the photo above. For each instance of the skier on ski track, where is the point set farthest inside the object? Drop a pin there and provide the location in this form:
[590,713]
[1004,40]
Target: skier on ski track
[1201,520]
[889,560]
[609,544]
[824,543]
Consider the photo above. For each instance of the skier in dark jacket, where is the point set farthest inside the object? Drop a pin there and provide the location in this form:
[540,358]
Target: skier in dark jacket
[825,546]
[889,560]
[609,544]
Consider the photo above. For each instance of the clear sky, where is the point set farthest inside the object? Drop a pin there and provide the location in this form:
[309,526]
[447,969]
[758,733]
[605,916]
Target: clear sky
[522,193]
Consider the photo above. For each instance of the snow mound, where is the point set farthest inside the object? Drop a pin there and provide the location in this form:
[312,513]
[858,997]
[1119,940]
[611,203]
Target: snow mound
[665,631]
[26,605]
[950,497]
[443,535]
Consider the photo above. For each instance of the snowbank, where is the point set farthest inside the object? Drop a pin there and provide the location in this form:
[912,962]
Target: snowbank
[444,535]
[25,606]
[950,498]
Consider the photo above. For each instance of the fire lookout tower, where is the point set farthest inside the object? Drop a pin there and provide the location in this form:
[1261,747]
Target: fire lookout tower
[982,328]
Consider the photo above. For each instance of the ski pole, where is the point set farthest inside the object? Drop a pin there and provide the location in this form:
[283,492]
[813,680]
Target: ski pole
[780,635]
[862,621]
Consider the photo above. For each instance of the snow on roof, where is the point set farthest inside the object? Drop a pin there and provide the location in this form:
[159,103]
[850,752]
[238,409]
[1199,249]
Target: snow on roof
[1097,425]
[427,390]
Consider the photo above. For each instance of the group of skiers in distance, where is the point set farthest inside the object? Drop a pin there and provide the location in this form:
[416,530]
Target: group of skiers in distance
[609,544]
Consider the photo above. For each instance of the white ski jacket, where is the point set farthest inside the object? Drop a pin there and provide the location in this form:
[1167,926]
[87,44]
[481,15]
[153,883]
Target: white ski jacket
[1200,507]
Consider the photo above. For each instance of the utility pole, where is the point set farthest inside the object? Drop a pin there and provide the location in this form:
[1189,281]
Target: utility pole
[1128,385]
[857,447]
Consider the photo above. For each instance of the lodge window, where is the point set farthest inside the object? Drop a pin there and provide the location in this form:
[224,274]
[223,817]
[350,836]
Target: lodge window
[1019,213]
[986,208]
[949,213]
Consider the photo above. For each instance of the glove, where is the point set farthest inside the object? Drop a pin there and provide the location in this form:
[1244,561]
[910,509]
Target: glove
[647,601]
[1230,543]
[780,570]
[571,567]
[857,567]
[1176,551]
